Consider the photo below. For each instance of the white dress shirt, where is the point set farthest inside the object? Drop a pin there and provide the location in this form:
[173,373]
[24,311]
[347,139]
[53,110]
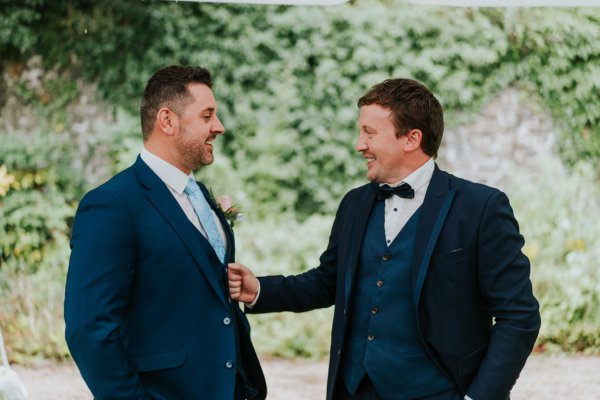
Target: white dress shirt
[176,181]
[399,210]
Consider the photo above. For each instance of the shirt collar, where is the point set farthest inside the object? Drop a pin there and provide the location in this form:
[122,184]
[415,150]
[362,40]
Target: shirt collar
[168,173]
[420,177]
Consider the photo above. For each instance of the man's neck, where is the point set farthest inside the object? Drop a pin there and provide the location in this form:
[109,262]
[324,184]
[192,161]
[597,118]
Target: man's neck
[409,169]
[164,154]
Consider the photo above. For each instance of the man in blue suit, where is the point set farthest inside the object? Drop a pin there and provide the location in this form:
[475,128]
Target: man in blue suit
[147,308]
[431,290]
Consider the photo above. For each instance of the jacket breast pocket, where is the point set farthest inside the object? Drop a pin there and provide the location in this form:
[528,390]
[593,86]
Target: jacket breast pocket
[156,361]
[454,255]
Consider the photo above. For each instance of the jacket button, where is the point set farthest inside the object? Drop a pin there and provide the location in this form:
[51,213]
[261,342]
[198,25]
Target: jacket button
[385,257]
[374,310]
[226,321]
[379,283]
[339,353]
[371,338]
[229,364]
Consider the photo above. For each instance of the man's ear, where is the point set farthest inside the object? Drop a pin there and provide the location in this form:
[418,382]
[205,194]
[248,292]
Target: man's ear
[166,121]
[413,139]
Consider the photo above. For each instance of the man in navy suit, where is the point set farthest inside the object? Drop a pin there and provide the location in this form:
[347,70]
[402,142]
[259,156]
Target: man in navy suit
[431,290]
[147,308]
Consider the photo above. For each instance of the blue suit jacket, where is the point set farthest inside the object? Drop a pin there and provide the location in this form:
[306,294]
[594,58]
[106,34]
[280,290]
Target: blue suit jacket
[471,291]
[146,307]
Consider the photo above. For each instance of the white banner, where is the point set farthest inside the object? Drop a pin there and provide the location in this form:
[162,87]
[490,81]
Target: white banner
[510,3]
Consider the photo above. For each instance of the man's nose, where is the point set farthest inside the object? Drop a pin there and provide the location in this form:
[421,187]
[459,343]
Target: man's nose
[218,128]
[361,144]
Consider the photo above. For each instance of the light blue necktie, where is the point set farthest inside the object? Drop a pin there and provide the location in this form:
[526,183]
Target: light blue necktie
[204,213]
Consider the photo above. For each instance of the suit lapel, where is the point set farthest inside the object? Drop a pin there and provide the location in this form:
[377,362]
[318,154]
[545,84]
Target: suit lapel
[200,249]
[363,208]
[434,210]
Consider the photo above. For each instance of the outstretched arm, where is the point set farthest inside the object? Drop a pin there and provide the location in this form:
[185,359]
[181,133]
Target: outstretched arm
[310,290]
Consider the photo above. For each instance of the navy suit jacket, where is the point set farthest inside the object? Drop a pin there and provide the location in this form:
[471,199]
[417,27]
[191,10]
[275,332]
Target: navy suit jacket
[472,296]
[147,311]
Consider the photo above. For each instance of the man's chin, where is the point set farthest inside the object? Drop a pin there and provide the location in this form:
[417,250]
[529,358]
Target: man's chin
[202,163]
[207,159]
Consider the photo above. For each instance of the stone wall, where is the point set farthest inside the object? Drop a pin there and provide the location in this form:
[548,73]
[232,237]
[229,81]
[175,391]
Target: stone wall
[86,117]
[510,134]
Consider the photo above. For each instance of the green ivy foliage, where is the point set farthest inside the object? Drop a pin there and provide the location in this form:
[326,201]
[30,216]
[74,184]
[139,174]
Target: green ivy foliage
[287,80]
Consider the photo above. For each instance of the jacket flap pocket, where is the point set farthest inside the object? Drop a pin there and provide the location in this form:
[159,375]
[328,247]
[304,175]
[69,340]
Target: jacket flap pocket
[154,361]
[469,364]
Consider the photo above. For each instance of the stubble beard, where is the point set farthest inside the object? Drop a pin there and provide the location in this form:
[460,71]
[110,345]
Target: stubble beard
[193,153]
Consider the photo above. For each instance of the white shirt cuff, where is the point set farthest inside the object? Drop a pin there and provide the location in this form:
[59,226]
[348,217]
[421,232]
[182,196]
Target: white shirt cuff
[250,305]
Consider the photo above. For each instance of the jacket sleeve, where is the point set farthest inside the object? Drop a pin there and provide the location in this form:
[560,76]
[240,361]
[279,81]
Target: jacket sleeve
[98,290]
[503,273]
[315,288]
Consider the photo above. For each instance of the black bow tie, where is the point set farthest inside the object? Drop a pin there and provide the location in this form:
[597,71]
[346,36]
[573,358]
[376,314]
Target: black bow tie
[404,191]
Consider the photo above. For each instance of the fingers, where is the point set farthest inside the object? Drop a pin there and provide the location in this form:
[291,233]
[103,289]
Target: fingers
[235,285]
[234,273]
[243,285]
[240,269]
[234,276]
[235,293]
[235,281]
[237,267]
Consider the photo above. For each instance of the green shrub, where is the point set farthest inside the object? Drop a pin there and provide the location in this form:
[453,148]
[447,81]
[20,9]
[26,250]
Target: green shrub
[38,195]
[557,218]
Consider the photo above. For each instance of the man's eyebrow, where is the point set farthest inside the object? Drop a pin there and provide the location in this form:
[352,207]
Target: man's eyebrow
[209,109]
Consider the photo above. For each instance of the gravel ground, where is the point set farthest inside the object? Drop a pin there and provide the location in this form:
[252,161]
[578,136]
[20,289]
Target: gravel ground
[544,378]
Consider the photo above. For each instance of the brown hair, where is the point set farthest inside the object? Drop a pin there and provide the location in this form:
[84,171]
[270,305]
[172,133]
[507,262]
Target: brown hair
[168,87]
[413,106]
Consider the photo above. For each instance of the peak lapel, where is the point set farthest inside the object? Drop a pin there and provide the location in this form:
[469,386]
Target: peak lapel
[200,249]
[434,210]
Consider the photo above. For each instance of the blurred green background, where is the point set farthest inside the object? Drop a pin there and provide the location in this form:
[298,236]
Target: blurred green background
[287,80]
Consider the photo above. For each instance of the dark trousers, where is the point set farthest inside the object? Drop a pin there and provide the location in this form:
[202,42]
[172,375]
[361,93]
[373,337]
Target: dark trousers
[243,390]
[239,388]
[366,391]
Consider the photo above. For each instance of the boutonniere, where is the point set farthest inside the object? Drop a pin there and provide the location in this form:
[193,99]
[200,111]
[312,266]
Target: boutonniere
[231,211]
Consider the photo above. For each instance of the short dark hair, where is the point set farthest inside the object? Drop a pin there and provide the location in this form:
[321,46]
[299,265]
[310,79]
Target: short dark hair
[168,87]
[413,106]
